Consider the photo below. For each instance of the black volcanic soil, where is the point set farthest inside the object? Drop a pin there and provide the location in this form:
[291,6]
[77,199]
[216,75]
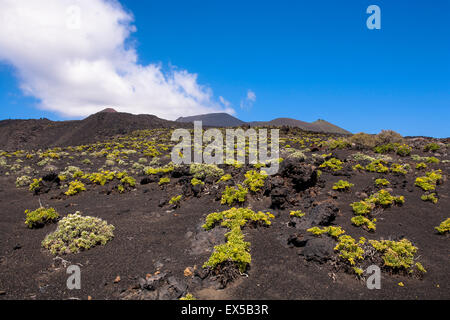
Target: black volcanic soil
[150,238]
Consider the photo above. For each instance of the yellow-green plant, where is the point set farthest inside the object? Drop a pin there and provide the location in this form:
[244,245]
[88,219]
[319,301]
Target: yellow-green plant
[349,249]
[342,185]
[363,221]
[396,254]
[297,213]
[35,184]
[429,181]
[444,227]
[231,195]
[75,187]
[195,181]
[40,217]
[175,199]
[235,250]
[382,182]
[430,197]
[333,164]
[224,178]
[164,180]
[255,180]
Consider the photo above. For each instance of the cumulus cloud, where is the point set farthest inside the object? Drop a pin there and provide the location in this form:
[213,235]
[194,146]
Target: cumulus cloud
[75,57]
[249,100]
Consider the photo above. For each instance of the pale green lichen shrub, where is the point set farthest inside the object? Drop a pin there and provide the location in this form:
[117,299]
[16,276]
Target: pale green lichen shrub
[75,233]
[23,181]
[202,170]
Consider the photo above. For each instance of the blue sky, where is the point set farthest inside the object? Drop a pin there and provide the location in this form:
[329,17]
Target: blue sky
[302,59]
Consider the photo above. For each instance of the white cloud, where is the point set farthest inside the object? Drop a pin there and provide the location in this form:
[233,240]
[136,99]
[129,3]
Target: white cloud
[78,64]
[249,100]
[224,102]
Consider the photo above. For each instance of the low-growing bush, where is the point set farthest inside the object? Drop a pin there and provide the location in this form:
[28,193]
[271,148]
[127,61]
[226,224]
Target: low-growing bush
[224,178]
[433,147]
[255,180]
[40,217]
[332,164]
[430,197]
[297,213]
[202,170]
[235,250]
[360,220]
[342,185]
[75,187]
[232,195]
[382,182]
[429,181]
[164,180]
[195,181]
[175,200]
[35,184]
[23,181]
[444,227]
[396,254]
[75,233]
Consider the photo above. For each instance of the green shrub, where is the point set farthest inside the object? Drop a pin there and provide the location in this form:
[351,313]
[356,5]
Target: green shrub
[75,233]
[385,148]
[235,250]
[166,169]
[400,168]
[403,150]
[340,143]
[255,180]
[349,249]
[342,185]
[444,227]
[224,178]
[164,180]
[377,166]
[362,207]
[334,232]
[297,213]
[175,200]
[195,181]
[430,197]
[74,188]
[363,221]
[231,195]
[433,160]
[421,166]
[40,217]
[35,184]
[429,181]
[382,182]
[333,164]
[433,147]
[396,254]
